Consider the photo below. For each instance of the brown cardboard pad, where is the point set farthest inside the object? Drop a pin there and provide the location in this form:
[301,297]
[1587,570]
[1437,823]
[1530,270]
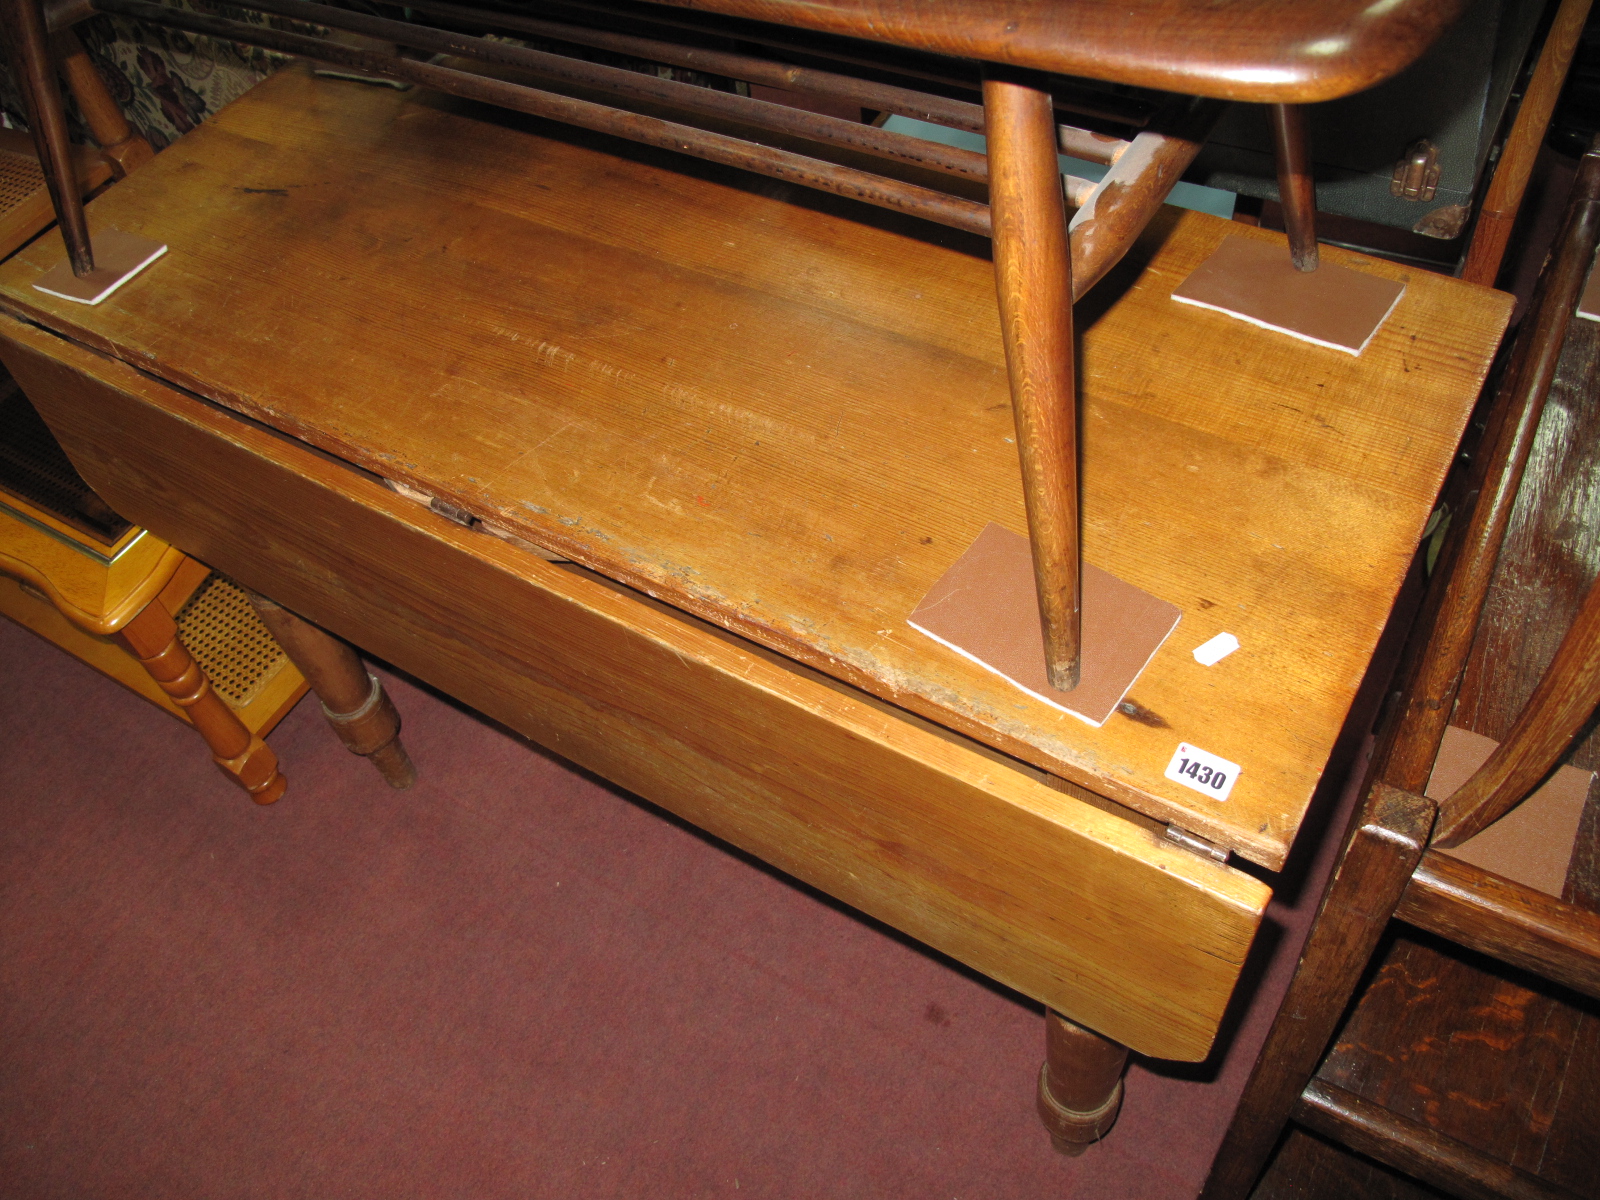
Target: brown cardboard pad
[985,608]
[1589,302]
[118,257]
[1255,281]
[1533,842]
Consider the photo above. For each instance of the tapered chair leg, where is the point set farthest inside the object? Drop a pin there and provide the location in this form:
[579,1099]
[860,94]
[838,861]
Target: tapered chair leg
[353,700]
[152,638]
[1080,1084]
[1033,275]
[1297,189]
[22,25]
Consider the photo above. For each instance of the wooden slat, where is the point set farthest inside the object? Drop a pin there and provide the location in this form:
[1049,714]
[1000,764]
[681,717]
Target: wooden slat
[1090,912]
[1478,1054]
[1504,919]
[791,418]
[1421,1152]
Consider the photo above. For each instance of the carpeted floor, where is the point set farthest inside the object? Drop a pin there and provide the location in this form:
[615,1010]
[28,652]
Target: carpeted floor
[510,981]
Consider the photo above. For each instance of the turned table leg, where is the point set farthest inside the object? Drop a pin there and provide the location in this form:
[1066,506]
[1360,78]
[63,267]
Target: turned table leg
[1080,1084]
[1033,275]
[152,638]
[353,700]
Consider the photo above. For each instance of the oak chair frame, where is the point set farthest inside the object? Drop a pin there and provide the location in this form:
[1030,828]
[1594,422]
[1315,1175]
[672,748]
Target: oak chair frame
[1391,868]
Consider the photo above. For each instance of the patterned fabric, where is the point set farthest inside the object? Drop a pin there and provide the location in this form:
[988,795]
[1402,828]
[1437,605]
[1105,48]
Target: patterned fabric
[166,81]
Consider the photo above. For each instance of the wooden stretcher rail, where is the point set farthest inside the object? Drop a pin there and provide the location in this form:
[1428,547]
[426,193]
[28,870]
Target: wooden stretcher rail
[885,97]
[776,118]
[1110,215]
[1069,95]
[860,185]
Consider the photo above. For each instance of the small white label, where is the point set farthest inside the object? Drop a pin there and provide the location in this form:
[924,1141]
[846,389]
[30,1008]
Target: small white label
[1203,771]
[1217,649]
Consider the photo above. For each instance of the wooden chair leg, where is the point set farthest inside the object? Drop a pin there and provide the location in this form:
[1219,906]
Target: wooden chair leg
[1389,838]
[23,23]
[152,638]
[353,700]
[1297,190]
[1080,1084]
[125,149]
[1033,275]
[1497,215]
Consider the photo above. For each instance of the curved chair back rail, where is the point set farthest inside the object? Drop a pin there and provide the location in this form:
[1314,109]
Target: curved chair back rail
[1433,673]
[1559,708]
[1288,51]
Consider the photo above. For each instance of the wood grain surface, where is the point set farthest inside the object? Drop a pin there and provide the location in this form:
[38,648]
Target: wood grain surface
[1480,1053]
[1550,558]
[788,414]
[1089,910]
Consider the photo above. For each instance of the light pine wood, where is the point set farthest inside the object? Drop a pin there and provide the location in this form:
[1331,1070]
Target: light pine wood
[98,588]
[152,638]
[1057,894]
[30,606]
[1080,1084]
[79,594]
[791,418]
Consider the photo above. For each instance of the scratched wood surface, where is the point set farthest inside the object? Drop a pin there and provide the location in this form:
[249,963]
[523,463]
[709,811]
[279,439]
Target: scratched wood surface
[1053,891]
[789,415]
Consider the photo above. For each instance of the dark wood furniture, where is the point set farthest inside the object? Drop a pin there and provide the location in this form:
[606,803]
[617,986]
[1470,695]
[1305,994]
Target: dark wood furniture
[800,416]
[1393,868]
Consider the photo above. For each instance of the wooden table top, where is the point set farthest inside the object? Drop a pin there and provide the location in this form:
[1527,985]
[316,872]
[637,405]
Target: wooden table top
[788,414]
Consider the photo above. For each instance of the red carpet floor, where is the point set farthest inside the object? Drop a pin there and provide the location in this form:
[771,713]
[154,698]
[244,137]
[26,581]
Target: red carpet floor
[510,981]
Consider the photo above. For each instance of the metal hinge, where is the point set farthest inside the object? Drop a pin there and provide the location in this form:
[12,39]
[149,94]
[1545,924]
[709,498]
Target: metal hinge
[1416,175]
[1199,845]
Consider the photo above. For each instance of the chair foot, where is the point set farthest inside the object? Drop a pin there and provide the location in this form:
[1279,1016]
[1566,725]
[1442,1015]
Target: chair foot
[256,771]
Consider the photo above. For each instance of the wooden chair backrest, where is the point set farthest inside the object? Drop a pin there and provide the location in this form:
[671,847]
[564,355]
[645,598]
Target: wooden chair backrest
[1432,675]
